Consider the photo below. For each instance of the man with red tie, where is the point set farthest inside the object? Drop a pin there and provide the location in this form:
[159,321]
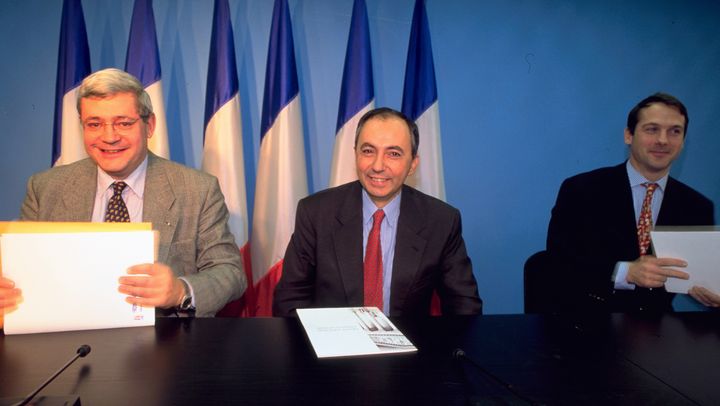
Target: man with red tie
[598,238]
[376,241]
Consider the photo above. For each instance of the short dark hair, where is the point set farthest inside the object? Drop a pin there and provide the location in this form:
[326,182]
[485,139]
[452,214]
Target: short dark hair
[664,98]
[384,113]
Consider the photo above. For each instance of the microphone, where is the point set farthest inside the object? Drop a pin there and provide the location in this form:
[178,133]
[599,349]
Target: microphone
[82,351]
[460,355]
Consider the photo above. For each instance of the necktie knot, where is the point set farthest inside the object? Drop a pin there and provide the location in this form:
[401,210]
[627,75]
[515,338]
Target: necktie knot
[118,187]
[650,187]
[378,217]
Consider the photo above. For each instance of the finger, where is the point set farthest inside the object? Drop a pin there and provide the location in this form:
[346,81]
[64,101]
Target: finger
[10,294]
[142,301]
[146,269]
[711,298]
[138,291]
[697,295]
[670,262]
[141,281]
[674,273]
[6,283]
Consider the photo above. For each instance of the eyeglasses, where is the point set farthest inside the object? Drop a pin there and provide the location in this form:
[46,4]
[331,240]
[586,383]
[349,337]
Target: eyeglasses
[120,126]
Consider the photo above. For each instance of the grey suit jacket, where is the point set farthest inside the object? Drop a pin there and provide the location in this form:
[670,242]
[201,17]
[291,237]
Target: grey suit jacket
[185,206]
[323,264]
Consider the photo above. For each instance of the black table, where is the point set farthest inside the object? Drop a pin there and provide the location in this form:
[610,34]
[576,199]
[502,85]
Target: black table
[605,359]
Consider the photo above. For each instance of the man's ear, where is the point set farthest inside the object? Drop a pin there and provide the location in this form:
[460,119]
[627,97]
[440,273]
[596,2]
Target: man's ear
[150,125]
[628,136]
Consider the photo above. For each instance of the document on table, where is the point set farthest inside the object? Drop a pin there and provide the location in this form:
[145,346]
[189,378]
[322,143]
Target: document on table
[699,247]
[70,280]
[348,331]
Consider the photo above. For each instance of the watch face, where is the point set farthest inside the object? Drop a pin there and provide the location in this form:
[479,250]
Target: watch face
[186,303]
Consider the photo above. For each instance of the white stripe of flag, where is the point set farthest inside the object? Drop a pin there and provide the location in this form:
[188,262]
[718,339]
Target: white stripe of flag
[357,96]
[143,61]
[420,103]
[73,66]
[281,175]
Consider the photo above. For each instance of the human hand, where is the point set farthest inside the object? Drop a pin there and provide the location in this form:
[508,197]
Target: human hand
[705,296]
[152,285]
[10,296]
[651,272]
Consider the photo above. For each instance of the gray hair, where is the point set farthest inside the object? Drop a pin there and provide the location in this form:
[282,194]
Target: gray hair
[111,81]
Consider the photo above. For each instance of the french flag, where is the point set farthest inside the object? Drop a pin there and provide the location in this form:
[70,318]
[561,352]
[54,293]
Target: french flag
[143,61]
[73,67]
[357,96]
[281,175]
[223,145]
[420,104]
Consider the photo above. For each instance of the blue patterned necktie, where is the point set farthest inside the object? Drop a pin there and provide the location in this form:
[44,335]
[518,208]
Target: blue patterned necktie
[117,212]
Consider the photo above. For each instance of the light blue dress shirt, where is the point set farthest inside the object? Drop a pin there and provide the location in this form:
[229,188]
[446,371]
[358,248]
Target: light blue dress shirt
[638,193]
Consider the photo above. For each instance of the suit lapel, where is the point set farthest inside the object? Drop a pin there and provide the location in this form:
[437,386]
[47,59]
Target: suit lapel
[347,240]
[79,196]
[626,209]
[409,248]
[158,204]
[668,208]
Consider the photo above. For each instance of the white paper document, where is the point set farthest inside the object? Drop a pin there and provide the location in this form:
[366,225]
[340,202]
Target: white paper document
[69,281]
[347,331]
[699,247]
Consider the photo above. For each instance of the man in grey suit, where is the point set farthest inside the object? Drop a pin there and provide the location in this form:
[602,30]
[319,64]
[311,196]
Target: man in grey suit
[329,260]
[198,269]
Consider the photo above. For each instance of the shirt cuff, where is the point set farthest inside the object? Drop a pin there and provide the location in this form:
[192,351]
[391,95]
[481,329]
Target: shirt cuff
[620,276]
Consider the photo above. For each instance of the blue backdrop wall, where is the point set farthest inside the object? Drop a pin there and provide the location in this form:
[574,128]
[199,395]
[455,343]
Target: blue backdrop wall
[530,92]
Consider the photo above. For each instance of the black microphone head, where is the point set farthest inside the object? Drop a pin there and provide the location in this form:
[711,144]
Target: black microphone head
[458,353]
[83,350]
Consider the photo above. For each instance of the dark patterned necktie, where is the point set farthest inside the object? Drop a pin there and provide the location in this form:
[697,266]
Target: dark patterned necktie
[645,222]
[116,211]
[373,265]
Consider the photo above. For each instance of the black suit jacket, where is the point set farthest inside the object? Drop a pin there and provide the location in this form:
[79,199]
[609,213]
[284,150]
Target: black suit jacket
[593,227]
[323,265]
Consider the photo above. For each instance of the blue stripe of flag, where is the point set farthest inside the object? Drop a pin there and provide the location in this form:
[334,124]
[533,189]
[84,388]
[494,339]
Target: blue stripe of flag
[357,82]
[420,90]
[222,79]
[142,58]
[281,81]
[73,63]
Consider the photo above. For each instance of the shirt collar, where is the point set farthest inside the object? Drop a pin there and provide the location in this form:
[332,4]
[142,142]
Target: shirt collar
[637,179]
[392,209]
[135,182]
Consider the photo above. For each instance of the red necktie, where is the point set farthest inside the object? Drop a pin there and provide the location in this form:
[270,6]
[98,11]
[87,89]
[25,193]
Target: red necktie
[645,222]
[373,266]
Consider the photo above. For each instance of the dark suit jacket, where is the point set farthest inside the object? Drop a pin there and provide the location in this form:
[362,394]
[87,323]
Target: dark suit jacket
[184,205]
[593,226]
[323,265]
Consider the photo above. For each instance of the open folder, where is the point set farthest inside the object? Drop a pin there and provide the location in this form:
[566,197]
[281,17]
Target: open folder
[68,273]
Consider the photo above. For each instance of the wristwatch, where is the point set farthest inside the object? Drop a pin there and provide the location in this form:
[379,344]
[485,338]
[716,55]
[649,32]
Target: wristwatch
[186,302]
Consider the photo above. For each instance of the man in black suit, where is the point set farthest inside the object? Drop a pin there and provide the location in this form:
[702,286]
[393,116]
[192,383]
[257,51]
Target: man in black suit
[594,238]
[422,247]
